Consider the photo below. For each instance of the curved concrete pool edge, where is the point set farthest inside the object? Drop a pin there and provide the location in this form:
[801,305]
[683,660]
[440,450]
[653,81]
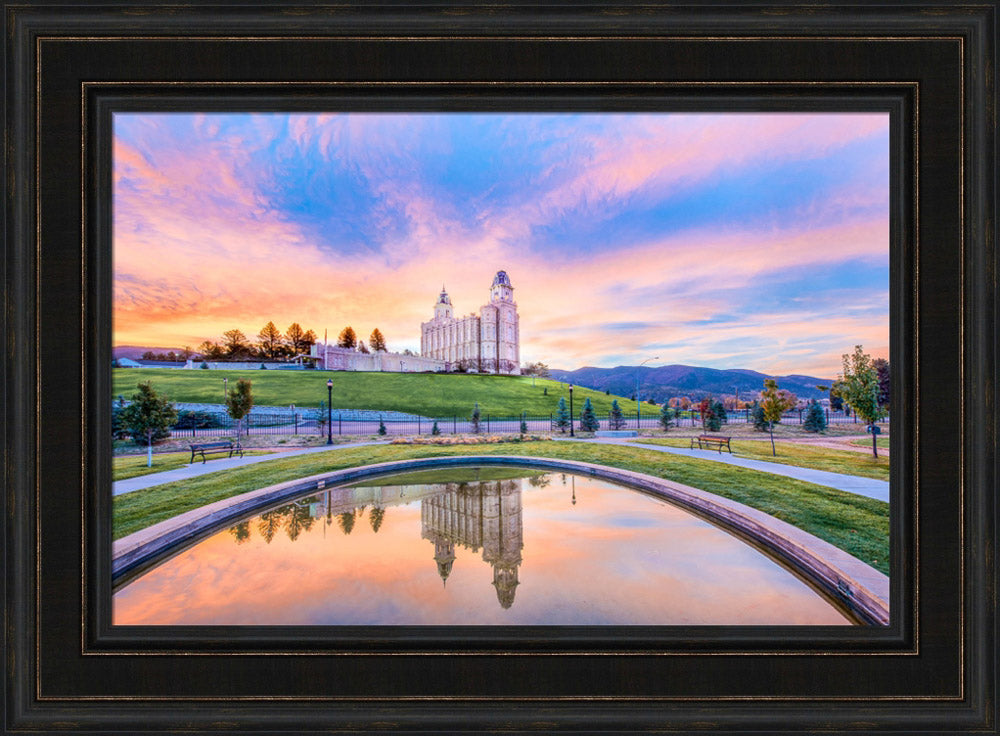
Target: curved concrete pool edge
[855,584]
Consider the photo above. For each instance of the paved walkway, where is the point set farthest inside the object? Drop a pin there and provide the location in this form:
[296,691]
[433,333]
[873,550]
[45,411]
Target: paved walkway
[196,469]
[870,487]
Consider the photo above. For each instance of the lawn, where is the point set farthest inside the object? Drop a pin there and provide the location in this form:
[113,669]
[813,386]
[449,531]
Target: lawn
[427,394]
[800,455]
[132,466]
[883,443]
[854,523]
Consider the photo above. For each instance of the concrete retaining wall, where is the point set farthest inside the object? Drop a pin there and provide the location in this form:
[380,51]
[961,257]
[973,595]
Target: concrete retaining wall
[856,585]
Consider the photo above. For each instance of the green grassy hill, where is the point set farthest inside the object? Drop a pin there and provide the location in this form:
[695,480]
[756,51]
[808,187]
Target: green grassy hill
[433,394]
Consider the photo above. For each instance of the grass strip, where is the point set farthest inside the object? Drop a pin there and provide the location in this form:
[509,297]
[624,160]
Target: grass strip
[132,466]
[847,462]
[856,524]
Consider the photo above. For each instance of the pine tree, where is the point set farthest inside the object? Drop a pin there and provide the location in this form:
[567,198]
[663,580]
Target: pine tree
[666,416]
[720,411]
[434,430]
[588,420]
[757,417]
[381,426]
[524,423]
[815,420]
[269,340]
[377,341]
[347,338]
[562,415]
[616,420]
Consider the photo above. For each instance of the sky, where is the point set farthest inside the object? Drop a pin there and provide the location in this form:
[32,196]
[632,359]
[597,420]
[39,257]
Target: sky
[757,241]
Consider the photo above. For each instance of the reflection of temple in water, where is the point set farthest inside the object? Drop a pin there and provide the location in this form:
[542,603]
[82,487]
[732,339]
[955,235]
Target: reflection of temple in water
[486,515]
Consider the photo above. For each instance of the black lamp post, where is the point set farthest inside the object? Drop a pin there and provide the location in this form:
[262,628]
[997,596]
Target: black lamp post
[329,411]
[571,411]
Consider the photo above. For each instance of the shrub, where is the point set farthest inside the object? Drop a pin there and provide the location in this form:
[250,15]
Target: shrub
[197,420]
[204,366]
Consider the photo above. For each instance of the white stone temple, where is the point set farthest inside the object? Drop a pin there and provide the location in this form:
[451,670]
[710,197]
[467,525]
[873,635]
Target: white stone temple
[488,342]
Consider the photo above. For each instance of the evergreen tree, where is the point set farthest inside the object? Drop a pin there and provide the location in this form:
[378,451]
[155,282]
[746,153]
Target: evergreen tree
[148,418]
[524,423]
[588,420]
[375,518]
[434,430]
[347,338]
[666,416]
[118,430]
[757,417]
[239,402]
[720,411]
[615,419]
[815,420]
[710,418]
[381,426]
[377,341]
[562,415]
[269,340]
[475,418]
[346,521]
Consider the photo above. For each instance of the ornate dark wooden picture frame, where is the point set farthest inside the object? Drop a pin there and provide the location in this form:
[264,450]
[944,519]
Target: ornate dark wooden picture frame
[69,67]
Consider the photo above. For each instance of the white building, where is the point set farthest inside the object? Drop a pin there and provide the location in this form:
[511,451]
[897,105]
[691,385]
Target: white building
[488,342]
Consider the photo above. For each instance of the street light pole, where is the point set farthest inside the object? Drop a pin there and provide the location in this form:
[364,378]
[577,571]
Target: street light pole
[571,411]
[638,403]
[329,411]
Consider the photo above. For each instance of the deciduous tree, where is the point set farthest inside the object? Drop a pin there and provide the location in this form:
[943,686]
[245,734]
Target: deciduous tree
[148,417]
[239,402]
[235,344]
[775,402]
[860,390]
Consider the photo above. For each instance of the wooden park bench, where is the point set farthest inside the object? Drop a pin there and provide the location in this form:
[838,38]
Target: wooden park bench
[710,441]
[215,448]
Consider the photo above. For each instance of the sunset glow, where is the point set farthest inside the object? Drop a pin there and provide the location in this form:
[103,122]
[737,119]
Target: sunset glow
[756,241]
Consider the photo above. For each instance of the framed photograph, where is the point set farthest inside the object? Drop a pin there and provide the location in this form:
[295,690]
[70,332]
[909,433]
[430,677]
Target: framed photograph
[388,368]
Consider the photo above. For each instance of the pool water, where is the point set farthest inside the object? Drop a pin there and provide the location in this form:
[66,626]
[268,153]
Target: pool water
[477,546]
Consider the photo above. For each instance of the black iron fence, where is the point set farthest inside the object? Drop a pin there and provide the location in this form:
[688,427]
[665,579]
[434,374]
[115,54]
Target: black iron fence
[311,423]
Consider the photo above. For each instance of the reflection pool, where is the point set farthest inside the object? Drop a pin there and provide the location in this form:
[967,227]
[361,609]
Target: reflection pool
[473,546]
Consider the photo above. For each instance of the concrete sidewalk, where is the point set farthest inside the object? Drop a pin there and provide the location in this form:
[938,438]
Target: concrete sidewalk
[869,487]
[196,469]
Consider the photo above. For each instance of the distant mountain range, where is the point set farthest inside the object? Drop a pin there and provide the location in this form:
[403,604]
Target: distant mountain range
[665,382]
[135,351]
